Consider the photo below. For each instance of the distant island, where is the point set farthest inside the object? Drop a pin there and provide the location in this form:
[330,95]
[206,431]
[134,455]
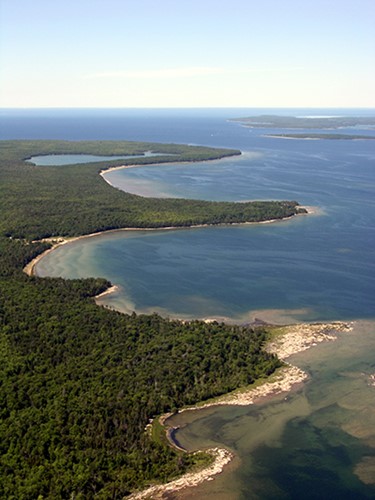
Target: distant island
[335,137]
[306,122]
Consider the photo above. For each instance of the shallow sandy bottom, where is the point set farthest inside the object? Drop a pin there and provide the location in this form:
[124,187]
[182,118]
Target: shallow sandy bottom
[288,341]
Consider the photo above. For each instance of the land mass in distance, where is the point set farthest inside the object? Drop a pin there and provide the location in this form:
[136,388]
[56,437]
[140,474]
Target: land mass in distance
[334,137]
[306,122]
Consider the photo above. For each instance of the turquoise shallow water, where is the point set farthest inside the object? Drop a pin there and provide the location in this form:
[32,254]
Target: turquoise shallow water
[318,442]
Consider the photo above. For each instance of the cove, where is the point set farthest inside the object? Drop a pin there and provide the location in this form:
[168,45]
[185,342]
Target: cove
[238,272]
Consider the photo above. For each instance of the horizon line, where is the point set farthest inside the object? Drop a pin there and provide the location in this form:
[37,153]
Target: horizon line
[184,107]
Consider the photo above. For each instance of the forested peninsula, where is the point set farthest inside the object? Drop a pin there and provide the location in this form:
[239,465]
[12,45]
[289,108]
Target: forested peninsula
[79,382]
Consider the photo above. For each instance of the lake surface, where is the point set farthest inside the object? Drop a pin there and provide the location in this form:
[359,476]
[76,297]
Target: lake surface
[320,441]
[314,267]
[70,159]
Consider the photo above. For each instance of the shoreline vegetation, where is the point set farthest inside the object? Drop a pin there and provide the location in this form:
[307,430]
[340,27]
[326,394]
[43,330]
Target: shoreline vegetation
[80,381]
[286,341]
[73,200]
[58,241]
[107,170]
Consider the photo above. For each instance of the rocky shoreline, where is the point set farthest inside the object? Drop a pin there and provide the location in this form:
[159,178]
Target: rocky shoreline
[221,457]
[287,341]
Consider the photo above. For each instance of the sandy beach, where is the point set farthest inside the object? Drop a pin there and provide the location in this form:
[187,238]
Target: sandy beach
[140,165]
[293,138]
[111,289]
[29,269]
[288,340]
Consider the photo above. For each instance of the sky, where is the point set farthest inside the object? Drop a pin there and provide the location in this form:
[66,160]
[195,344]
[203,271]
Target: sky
[187,53]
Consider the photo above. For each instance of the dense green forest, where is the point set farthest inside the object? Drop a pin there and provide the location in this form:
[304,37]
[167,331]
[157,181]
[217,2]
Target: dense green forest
[37,202]
[78,382]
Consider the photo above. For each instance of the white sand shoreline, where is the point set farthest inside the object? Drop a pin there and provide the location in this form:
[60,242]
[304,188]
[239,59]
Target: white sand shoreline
[161,164]
[292,340]
[221,457]
[293,138]
[321,138]
[109,291]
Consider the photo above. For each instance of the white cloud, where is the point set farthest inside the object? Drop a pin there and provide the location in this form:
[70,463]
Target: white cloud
[187,72]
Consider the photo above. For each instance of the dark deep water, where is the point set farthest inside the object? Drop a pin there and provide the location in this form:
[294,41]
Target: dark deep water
[320,441]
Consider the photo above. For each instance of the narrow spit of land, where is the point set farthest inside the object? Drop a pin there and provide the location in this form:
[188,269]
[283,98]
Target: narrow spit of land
[332,137]
[287,341]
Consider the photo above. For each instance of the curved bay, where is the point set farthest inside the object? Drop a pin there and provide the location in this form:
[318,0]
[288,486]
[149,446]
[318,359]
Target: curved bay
[320,266]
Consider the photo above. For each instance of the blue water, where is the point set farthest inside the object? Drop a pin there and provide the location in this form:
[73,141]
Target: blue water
[201,126]
[319,442]
[317,267]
